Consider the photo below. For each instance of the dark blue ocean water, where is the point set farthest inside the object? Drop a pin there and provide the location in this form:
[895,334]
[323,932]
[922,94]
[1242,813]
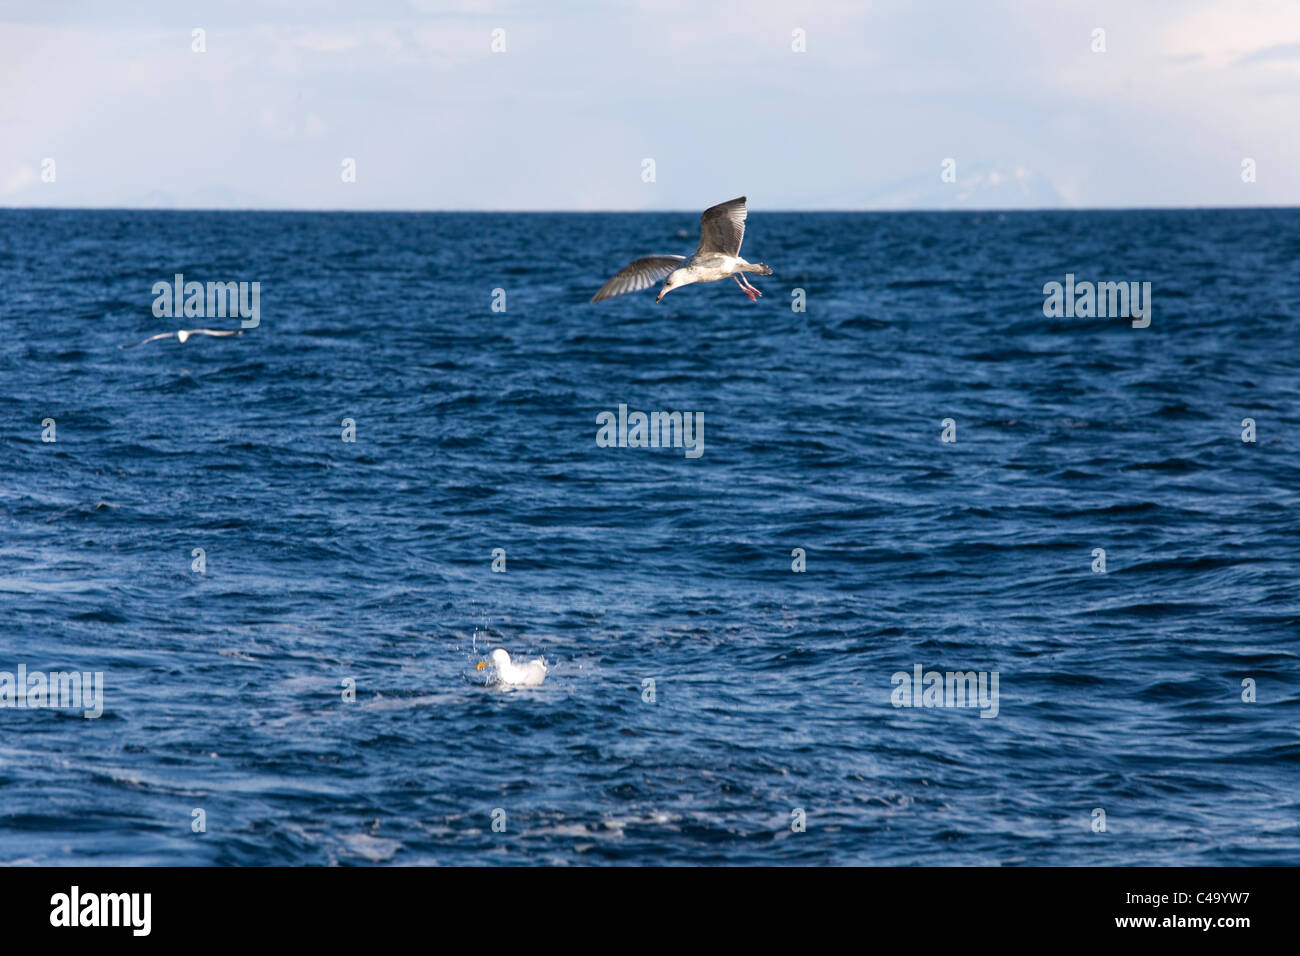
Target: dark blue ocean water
[371,561]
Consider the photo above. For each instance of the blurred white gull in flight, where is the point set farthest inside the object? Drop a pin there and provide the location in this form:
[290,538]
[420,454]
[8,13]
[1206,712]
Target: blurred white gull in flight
[182,334]
[722,228]
[526,675]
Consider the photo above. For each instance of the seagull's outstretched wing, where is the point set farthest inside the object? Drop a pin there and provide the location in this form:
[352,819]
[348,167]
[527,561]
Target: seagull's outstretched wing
[152,338]
[722,228]
[638,275]
[184,334]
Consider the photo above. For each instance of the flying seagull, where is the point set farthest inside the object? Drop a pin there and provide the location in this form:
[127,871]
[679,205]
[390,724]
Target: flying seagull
[722,227]
[183,334]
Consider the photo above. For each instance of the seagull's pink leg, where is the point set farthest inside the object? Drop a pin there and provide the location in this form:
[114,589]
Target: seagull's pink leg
[750,286]
[743,289]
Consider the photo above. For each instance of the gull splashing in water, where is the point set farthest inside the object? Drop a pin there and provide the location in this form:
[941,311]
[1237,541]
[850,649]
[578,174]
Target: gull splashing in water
[530,674]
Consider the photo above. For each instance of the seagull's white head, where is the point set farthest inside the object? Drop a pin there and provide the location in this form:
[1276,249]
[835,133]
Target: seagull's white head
[675,280]
[183,334]
[500,658]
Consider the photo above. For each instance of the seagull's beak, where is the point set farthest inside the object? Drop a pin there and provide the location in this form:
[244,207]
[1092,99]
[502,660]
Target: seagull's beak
[481,665]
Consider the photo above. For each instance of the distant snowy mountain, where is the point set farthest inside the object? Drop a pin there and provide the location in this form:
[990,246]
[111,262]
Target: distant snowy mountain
[982,186]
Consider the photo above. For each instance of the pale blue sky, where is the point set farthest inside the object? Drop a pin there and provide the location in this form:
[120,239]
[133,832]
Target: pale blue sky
[712,92]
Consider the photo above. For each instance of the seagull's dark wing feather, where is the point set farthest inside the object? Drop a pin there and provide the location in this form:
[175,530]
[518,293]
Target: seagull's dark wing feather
[152,338]
[722,228]
[637,275]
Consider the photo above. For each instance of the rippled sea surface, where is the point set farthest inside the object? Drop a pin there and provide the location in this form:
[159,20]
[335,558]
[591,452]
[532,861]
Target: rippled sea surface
[371,561]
